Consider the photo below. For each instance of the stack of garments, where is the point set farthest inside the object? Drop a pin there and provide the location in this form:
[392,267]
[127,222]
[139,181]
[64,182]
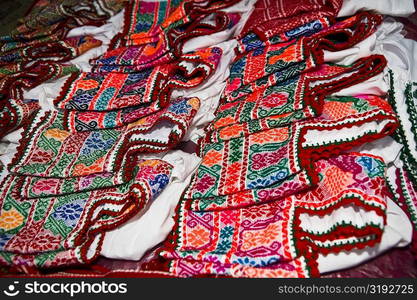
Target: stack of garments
[207,138]
[278,189]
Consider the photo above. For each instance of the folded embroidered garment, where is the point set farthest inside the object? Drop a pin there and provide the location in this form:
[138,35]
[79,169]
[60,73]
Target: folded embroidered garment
[48,150]
[41,187]
[277,103]
[143,18]
[271,17]
[111,100]
[16,113]
[405,192]
[231,169]
[51,20]
[68,229]
[346,210]
[149,40]
[165,50]
[298,55]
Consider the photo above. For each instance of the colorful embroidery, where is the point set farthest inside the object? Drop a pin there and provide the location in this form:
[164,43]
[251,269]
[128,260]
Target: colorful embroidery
[51,20]
[67,229]
[272,104]
[272,238]
[252,42]
[264,158]
[271,18]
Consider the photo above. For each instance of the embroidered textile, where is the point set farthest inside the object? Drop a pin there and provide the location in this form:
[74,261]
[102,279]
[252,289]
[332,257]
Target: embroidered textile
[48,150]
[115,90]
[273,103]
[298,55]
[68,229]
[147,22]
[284,237]
[271,17]
[265,158]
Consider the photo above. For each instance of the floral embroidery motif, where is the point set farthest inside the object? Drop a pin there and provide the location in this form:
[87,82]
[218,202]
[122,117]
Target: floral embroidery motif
[10,219]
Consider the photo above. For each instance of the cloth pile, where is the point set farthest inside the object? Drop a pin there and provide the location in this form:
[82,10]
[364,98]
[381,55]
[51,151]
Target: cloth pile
[302,111]
[38,50]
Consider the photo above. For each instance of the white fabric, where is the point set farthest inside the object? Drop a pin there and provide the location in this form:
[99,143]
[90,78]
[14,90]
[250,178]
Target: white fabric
[400,8]
[151,226]
[397,233]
